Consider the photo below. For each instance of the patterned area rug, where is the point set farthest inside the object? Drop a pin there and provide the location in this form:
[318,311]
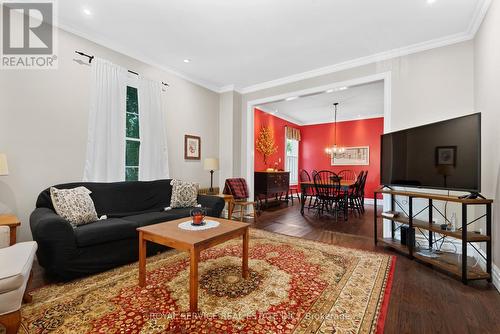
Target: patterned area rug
[295,286]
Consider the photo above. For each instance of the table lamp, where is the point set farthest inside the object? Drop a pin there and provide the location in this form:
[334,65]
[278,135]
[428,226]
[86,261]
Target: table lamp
[4,169]
[211,164]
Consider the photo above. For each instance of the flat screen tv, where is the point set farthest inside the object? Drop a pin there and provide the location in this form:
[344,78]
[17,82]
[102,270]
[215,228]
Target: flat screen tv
[442,155]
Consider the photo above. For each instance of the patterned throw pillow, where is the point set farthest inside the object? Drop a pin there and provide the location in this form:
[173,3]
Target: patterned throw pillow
[74,205]
[184,194]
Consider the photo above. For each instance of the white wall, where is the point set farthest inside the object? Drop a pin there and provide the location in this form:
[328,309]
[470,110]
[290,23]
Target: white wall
[431,86]
[487,101]
[226,137]
[43,124]
[229,136]
[426,87]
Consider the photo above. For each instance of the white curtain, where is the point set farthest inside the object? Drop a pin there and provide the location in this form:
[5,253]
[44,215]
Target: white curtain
[105,161]
[153,161]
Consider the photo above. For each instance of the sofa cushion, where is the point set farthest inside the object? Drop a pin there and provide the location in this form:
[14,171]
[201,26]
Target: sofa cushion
[74,205]
[184,194]
[16,263]
[105,230]
[159,217]
[119,197]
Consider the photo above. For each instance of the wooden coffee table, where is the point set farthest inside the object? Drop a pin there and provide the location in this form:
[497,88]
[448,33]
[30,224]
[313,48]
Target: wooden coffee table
[169,234]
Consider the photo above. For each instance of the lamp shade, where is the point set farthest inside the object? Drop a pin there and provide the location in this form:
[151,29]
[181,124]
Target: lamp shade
[4,169]
[211,164]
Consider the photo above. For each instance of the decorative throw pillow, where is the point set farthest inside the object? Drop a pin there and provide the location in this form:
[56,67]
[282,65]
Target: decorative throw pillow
[184,194]
[74,205]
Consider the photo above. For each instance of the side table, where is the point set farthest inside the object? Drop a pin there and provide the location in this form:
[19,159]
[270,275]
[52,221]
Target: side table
[229,202]
[12,222]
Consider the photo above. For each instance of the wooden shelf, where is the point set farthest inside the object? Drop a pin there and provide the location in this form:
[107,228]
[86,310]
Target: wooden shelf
[396,244]
[471,236]
[446,261]
[435,196]
[452,263]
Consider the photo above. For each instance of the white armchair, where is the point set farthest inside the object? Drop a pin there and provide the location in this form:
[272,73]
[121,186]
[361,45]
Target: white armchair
[4,236]
[15,270]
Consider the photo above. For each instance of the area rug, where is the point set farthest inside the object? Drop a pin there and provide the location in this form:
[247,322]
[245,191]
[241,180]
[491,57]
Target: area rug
[295,286]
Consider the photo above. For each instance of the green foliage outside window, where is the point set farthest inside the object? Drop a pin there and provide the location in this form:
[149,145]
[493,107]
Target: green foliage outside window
[132,133]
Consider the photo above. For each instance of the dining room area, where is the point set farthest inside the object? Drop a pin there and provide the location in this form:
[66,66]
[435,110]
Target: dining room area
[316,160]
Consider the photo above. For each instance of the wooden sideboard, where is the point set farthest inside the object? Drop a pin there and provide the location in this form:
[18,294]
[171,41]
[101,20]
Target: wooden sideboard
[269,184]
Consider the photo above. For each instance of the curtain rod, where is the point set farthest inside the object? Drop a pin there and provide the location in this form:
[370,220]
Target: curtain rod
[130,71]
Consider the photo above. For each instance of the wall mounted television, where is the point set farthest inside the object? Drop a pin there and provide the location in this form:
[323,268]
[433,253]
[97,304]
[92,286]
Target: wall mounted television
[443,155]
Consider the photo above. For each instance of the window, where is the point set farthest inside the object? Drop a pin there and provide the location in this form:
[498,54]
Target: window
[133,141]
[292,160]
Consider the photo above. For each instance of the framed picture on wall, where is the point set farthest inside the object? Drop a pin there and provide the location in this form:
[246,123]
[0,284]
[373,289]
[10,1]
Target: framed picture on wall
[192,147]
[352,156]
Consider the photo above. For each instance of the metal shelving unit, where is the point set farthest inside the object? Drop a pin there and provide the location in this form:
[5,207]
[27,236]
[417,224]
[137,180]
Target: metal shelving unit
[456,264]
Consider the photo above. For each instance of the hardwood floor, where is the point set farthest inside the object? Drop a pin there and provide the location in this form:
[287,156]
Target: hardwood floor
[422,300]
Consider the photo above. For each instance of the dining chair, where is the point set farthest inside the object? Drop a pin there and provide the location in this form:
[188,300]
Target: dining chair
[310,192]
[354,197]
[347,174]
[363,186]
[329,192]
[291,193]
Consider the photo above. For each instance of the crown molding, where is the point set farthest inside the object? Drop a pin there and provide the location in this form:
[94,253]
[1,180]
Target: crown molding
[277,115]
[227,88]
[300,123]
[347,119]
[386,55]
[140,57]
[478,17]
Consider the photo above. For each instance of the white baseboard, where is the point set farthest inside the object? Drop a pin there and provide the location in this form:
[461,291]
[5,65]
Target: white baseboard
[370,201]
[495,271]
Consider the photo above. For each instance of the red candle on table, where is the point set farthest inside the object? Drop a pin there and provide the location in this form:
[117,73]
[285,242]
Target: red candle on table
[197,219]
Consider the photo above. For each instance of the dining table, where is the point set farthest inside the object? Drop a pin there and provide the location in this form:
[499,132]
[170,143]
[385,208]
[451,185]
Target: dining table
[346,185]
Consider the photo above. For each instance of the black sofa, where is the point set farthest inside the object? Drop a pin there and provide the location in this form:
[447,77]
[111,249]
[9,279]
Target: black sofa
[66,252]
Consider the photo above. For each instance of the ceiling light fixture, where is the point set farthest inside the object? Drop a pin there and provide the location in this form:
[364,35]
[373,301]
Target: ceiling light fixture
[187,60]
[430,2]
[291,98]
[335,149]
[330,91]
[87,11]
[342,88]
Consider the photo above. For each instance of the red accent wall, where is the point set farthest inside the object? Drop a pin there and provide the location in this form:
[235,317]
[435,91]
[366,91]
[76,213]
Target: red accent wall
[315,138]
[278,127]
[364,132]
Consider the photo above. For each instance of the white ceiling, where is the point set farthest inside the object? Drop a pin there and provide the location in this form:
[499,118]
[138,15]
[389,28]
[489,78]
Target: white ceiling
[251,44]
[358,102]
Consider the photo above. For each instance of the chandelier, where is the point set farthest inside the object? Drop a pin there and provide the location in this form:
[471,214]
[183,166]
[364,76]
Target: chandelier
[335,149]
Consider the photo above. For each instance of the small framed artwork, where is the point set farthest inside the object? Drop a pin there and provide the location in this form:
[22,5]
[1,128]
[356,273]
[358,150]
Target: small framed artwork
[446,156]
[192,147]
[352,156]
